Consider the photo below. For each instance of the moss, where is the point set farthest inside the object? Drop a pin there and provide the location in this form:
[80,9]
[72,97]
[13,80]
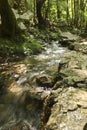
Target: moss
[20,46]
[9,48]
[32,46]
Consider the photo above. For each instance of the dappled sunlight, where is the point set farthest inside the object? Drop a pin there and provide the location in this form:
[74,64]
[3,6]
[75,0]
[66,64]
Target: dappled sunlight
[28,84]
[43,65]
[15,88]
[18,69]
[84,43]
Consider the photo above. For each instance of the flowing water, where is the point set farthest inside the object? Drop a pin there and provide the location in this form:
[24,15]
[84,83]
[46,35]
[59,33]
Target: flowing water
[21,103]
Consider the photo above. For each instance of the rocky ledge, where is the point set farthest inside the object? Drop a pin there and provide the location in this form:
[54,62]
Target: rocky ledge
[68,110]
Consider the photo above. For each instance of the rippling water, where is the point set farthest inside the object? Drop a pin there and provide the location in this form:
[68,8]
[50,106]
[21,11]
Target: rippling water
[20,111]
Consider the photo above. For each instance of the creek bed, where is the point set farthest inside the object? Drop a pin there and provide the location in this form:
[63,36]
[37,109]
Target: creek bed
[22,102]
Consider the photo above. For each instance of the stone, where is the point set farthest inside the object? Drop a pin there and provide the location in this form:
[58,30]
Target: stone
[73,69]
[24,125]
[67,39]
[69,111]
[43,81]
[57,85]
[79,47]
[22,26]
[69,35]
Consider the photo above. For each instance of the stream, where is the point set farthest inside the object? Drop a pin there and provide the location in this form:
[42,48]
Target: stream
[22,102]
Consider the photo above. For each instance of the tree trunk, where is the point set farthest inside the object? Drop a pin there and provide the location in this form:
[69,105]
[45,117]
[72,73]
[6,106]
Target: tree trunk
[47,10]
[82,10]
[39,5]
[67,12]
[8,21]
[76,13]
[72,11]
[58,9]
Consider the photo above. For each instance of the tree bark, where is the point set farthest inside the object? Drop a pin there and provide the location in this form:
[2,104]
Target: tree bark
[67,12]
[47,10]
[9,25]
[39,5]
[58,9]
[76,13]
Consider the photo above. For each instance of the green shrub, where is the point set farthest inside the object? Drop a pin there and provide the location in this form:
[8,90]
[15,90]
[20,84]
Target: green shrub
[32,46]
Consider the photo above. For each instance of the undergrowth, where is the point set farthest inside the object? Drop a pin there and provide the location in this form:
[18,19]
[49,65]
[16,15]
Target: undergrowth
[20,46]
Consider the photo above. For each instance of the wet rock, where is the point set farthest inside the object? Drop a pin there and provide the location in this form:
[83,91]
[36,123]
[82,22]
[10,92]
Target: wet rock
[47,105]
[67,38]
[57,85]
[23,90]
[69,35]
[20,125]
[38,93]
[69,111]
[43,81]
[79,47]
[66,42]
[15,88]
[73,69]
[22,80]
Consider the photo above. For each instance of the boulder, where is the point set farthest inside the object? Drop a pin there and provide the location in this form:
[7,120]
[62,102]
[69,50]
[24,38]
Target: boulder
[69,35]
[73,69]
[67,38]
[79,47]
[69,111]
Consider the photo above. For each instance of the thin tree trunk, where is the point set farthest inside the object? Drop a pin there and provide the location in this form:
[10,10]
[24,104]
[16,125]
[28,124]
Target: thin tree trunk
[67,13]
[82,8]
[72,10]
[58,10]
[34,11]
[47,9]
[76,13]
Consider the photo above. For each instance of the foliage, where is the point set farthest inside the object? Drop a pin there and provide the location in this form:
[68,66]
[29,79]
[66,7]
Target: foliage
[8,48]
[20,46]
[32,46]
[63,14]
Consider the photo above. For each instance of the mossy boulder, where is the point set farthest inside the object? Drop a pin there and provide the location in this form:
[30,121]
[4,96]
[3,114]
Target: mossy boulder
[73,69]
